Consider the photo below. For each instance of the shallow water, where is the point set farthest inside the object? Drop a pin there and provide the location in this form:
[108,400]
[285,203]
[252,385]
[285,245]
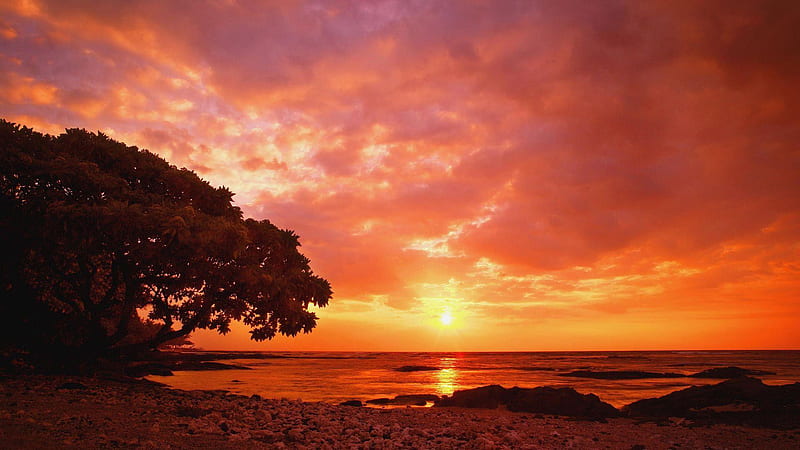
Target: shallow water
[338,376]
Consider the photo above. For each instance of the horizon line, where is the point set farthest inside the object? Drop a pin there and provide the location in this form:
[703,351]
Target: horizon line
[495,351]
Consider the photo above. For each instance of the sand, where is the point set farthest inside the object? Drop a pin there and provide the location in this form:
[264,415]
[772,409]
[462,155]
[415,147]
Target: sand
[35,412]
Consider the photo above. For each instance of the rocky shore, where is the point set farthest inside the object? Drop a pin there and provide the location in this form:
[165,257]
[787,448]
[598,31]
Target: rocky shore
[74,412]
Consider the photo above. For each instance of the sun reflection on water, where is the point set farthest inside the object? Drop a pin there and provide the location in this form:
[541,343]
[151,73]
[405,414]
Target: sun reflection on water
[447,376]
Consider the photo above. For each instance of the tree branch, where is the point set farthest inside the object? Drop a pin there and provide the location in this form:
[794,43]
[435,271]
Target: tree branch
[128,310]
[108,297]
[188,326]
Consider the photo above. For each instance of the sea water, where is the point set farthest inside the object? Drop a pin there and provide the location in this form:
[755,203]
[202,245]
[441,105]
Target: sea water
[339,376]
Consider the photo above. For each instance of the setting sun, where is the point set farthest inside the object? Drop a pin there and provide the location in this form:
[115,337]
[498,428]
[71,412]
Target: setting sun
[446,318]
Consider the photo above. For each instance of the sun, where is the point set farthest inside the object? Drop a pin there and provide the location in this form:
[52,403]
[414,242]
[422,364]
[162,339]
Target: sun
[446,318]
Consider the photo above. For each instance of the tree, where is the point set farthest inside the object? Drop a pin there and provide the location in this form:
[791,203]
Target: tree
[95,232]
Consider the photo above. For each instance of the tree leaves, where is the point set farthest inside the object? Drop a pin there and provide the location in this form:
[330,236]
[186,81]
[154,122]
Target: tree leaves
[97,230]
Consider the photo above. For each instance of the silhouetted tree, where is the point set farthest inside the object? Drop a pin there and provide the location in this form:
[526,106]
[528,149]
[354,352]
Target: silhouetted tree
[143,329]
[94,232]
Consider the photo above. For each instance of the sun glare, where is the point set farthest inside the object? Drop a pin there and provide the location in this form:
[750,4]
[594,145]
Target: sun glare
[446,318]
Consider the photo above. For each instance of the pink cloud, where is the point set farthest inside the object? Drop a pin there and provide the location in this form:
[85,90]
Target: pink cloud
[606,158]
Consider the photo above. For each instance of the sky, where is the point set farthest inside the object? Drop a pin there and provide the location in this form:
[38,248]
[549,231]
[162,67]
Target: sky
[468,175]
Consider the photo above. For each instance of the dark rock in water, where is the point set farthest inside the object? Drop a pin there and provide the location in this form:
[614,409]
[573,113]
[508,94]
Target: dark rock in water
[693,364]
[679,403]
[415,368]
[483,397]
[409,399]
[352,403]
[619,374]
[543,400]
[192,365]
[560,401]
[415,398]
[142,370]
[165,368]
[742,400]
[729,372]
[256,397]
[72,385]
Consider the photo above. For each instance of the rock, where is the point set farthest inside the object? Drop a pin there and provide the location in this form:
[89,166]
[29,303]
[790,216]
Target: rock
[742,400]
[619,374]
[141,370]
[191,411]
[72,385]
[679,403]
[484,443]
[415,398]
[415,368]
[204,365]
[243,436]
[729,372]
[262,416]
[545,400]
[265,435]
[352,403]
[405,400]
[295,434]
[513,437]
[488,397]
[560,401]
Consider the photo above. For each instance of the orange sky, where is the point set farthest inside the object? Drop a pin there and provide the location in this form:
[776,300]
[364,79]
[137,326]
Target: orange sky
[553,175]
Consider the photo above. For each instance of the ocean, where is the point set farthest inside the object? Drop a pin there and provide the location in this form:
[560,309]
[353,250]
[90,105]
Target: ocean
[339,376]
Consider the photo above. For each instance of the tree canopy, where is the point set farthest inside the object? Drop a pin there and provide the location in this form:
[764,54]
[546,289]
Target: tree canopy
[95,233]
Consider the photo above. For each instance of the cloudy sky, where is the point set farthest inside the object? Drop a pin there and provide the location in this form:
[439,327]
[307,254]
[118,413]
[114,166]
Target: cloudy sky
[546,174]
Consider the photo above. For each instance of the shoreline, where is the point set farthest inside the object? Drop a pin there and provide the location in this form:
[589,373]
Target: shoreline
[617,383]
[40,411]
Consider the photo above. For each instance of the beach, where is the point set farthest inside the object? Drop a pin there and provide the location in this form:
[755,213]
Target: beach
[79,412]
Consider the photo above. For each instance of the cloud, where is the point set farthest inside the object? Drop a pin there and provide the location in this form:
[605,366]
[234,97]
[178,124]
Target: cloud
[522,162]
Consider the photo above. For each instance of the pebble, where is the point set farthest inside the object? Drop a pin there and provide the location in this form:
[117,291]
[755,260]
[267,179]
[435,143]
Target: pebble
[253,421]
